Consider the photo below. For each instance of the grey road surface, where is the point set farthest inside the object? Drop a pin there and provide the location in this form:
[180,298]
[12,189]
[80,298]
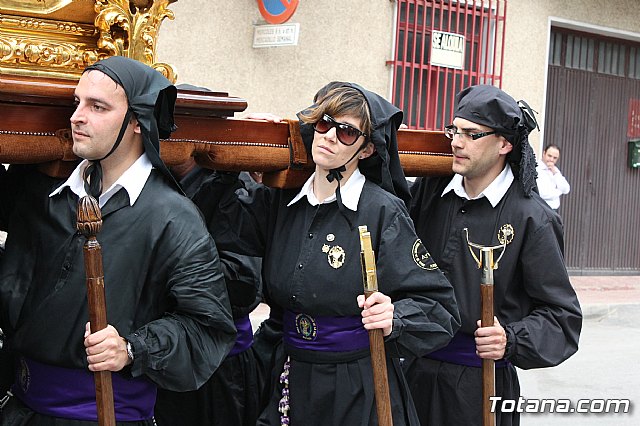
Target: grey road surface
[605,368]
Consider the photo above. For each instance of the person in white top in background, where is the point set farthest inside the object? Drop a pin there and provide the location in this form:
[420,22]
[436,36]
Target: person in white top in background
[551,183]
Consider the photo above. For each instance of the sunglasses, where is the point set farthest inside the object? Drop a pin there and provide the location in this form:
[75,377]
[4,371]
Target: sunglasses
[346,133]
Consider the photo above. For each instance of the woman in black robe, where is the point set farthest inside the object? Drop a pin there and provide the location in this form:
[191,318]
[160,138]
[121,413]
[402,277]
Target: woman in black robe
[312,273]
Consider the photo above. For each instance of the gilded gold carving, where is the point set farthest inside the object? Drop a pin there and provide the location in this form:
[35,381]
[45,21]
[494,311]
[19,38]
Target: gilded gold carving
[35,6]
[46,47]
[133,34]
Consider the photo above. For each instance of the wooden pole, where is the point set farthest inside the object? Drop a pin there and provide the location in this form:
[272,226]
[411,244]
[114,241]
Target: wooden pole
[89,223]
[487,264]
[376,338]
[488,365]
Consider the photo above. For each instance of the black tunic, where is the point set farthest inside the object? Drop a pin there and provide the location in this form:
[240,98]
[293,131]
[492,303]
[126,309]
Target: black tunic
[533,298]
[298,275]
[164,289]
[231,396]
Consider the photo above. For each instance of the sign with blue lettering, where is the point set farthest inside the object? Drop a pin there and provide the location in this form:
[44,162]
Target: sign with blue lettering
[447,49]
[277,11]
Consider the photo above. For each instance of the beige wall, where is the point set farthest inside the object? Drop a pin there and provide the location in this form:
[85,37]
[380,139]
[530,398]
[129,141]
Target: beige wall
[527,39]
[211,45]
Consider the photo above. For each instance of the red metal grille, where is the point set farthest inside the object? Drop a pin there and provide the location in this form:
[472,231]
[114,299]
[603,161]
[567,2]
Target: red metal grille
[426,91]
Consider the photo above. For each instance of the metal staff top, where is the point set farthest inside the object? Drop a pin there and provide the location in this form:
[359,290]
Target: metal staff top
[369,278]
[485,261]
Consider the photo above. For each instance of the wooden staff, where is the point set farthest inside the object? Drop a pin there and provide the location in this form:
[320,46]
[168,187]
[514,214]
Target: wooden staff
[89,223]
[376,339]
[487,264]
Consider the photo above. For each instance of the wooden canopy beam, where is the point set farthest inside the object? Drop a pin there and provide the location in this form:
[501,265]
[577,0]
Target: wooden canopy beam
[35,128]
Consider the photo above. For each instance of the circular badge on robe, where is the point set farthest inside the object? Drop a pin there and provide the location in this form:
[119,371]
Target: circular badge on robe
[306,327]
[422,257]
[336,256]
[506,234]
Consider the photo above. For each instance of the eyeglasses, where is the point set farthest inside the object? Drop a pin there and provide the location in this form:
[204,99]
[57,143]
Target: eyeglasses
[451,131]
[346,133]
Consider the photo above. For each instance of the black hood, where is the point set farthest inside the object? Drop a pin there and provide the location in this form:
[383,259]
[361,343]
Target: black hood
[151,98]
[492,107]
[383,167]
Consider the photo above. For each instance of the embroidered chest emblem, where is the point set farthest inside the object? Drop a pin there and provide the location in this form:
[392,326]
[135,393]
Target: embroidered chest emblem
[306,327]
[506,234]
[335,255]
[422,257]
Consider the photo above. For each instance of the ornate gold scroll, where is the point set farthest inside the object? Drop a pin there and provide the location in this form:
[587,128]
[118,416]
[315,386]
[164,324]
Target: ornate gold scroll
[39,38]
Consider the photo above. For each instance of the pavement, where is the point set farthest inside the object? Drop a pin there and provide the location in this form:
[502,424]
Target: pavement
[601,295]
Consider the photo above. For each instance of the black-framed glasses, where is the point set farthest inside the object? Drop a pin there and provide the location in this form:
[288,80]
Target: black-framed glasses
[451,131]
[346,133]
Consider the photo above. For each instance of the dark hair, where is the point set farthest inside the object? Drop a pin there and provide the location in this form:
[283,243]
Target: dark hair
[551,145]
[340,100]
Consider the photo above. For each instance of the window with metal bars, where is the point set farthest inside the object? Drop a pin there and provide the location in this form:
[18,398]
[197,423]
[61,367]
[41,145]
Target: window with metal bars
[589,52]
[443,46]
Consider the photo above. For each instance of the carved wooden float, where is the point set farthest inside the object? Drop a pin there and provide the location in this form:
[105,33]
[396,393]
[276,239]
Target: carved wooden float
[43,53]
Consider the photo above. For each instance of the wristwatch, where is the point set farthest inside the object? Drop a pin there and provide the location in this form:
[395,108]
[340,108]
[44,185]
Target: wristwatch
[129,351]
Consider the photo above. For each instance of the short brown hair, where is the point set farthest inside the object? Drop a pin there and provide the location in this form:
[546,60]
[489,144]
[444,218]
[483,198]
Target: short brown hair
[342,100]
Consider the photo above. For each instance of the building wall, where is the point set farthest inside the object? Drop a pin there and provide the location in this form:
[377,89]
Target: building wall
[210,44]
[527,40]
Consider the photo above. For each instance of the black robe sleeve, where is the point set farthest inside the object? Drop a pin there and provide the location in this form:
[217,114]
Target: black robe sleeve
[549,333]
[425,311]
[181,350]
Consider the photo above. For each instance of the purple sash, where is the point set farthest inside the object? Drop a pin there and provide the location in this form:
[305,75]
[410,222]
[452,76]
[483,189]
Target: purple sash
[462,351]
[244,339]
[70,392]
[325,334]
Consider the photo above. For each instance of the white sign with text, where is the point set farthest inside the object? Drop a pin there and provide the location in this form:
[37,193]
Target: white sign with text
[276,35]
[447,49]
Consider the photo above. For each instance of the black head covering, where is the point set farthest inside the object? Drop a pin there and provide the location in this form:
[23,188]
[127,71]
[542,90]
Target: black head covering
[151,98]
[492,107]
[383,167]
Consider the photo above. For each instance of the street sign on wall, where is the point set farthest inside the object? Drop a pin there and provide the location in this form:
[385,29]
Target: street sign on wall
[276,35]
[277,11]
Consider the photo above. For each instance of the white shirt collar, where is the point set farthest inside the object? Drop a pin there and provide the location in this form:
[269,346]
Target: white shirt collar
[494,192]
[349,192]
[132,180]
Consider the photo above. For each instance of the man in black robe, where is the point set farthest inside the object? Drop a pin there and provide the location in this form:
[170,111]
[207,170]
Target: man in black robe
[493,195]
[231,396]
[169,316]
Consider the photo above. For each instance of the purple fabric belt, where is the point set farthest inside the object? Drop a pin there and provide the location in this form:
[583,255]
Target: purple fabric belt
[462,351]
[325,334]
[70,392]
[244,339]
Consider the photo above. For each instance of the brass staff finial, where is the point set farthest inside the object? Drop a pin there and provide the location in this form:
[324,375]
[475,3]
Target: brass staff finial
[493,264]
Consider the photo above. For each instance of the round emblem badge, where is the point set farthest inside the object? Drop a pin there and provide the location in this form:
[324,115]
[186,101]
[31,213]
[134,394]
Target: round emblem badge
[336,256]
[506,234]
[422,257]
[306,327]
